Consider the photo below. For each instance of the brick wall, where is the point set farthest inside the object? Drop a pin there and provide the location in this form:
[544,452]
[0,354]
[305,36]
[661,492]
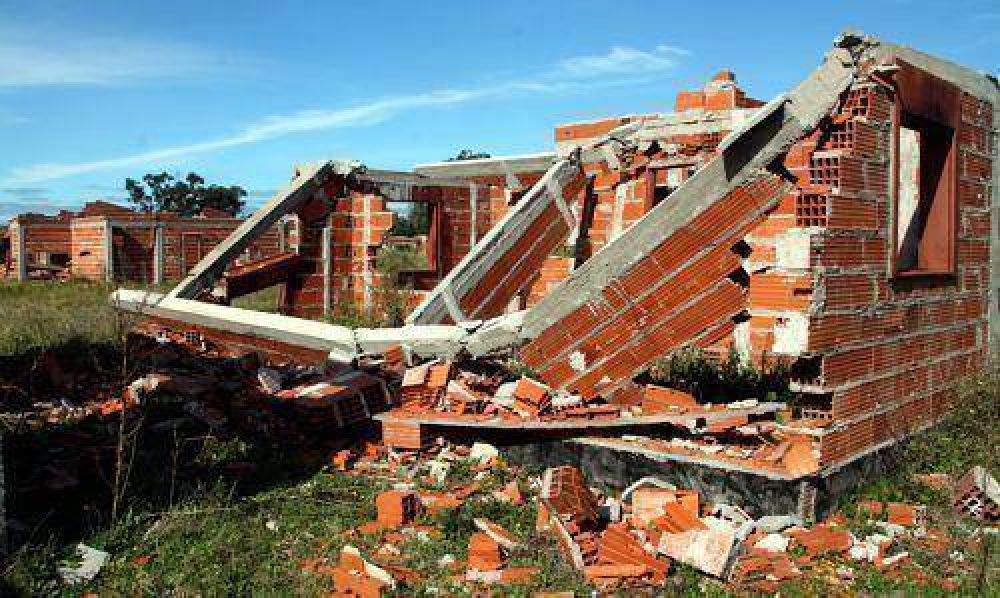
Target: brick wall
[45,239]
[185,242]
[87,247]
[888,347]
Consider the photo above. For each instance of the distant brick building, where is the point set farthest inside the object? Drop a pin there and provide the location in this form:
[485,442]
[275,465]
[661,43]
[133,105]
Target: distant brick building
[105,241]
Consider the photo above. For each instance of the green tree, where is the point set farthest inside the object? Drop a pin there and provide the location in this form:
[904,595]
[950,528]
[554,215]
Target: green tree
[187,197]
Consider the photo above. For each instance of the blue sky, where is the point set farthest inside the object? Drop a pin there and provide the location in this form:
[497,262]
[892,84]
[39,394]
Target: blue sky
[91,93]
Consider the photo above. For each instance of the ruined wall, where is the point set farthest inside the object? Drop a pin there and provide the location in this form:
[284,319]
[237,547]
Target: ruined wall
[187,240]
[884,347]
[132,256]
[360,224]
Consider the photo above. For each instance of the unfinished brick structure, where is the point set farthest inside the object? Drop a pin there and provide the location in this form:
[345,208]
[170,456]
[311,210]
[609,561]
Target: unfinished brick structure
[342,232]
[844,228]
[105,241]
[344,228]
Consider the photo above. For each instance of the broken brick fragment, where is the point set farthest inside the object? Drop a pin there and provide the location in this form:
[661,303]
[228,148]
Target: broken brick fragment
[658,399]
[497,533]
[822,539]
[397,507]
[484,553]
[977,494]
[511,493]
[678,518]
[341,460]
[904,514]
[618,546]
[566,491]
[531,397]
[648,503]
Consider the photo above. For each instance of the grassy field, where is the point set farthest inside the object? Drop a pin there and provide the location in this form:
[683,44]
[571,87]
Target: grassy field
[39,315]
[209,515]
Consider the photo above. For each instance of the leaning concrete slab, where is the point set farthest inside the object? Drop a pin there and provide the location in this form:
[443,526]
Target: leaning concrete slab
[308,181]
[506,259]
[664,283]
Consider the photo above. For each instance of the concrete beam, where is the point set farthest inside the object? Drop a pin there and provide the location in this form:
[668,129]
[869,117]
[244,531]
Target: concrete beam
[158,255]
[309,180]
[341,343]
[21,251]
[496,166]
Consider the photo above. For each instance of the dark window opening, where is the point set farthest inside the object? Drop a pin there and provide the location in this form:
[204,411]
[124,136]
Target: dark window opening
[661,192]
[925,231]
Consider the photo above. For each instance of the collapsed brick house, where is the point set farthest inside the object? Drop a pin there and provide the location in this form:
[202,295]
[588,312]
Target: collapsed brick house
[465,199]
[105,241]
[844,227]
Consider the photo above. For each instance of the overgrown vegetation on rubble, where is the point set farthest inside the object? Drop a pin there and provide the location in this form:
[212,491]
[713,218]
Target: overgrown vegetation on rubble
[210,513]
[392,297]
[721,381]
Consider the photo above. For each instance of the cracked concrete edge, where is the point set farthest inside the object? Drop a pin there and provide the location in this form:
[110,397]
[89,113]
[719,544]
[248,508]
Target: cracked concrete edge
[343,344]
[756,146]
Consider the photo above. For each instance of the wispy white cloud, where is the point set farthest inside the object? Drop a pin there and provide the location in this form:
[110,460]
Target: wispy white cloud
[619,67]
[621,60]
[33,56]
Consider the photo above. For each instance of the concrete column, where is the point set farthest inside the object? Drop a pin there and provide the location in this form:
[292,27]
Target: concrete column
[108,249]
[21,253]
[158,254]
[327,264]
[808,495]
[473,213]
[366,271]
[993,298]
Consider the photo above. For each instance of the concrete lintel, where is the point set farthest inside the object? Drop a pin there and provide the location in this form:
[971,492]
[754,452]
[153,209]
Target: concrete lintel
[496,166]
[411,179]
[342,343]
[338,340]
[473,421]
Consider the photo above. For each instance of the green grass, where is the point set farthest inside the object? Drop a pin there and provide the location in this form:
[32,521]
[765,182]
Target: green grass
[43,315]
[263,300]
